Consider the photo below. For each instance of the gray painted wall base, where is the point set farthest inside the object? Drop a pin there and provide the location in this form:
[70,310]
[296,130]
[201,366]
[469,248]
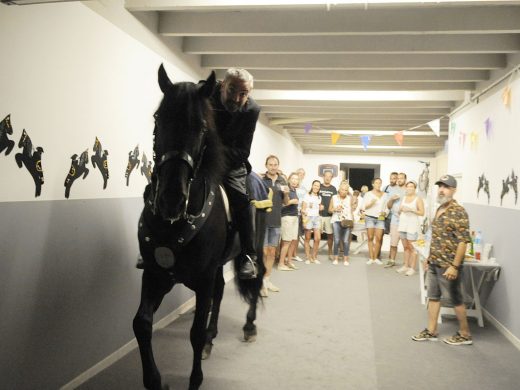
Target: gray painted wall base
[499,226]
[68,287]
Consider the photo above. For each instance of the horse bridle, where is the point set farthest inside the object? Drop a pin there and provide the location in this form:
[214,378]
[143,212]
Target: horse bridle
[181,156]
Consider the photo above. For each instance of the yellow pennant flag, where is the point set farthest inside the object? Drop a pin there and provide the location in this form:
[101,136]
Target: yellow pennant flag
[506,96]
[399,137]
[334,137]
[474,140]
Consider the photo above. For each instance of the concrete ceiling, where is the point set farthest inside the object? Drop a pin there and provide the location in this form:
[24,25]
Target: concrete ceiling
[351,69]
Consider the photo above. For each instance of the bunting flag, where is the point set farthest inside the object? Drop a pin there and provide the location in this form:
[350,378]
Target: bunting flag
[473,139]
[488,125]
[365,140]
[307,128]
[435,125]
[334,137]
[453,128]
[506,96]
[462,139]
[399,137]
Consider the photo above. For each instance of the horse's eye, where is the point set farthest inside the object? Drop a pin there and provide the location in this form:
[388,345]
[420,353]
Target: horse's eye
[156,116]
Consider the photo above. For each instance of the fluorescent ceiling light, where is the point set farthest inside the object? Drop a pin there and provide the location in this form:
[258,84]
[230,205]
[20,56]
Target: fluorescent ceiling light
[274,94]
[370,132]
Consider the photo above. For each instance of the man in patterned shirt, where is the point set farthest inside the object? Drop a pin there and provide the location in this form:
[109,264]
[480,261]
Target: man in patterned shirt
[450,233]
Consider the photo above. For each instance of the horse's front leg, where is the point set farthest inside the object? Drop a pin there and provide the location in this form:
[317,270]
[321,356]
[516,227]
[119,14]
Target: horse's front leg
[212,330]
[198,329]
[152,293]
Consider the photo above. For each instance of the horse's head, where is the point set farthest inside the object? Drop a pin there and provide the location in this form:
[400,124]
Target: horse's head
[182,124]
[24,139]
[5,125]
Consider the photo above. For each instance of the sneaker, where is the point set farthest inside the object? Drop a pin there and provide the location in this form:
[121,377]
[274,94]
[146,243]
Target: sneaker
[378,262]
[390,264]
[298,258]
[307,261]
[271,287]
[263,292]
[410,272]
[283,267]
[425,335]
[458,339]
[335,262]
[292,266]
[401,270]
[370,261]
[346,263]
[317,261]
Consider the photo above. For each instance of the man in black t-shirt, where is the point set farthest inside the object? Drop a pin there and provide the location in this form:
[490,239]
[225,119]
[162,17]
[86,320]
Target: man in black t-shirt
[327,190]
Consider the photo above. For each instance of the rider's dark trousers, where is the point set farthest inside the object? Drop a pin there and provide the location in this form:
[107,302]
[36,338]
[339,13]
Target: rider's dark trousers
[236,189]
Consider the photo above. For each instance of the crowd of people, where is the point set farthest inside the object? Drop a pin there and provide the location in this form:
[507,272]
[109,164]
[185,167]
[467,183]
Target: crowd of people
[326,213]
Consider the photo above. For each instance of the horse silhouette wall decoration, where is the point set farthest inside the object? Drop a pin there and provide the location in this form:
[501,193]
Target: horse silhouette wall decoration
[78,168]
[184,234]
[100,160]
[5,130]
[133,162]
[146,168]
[32,160]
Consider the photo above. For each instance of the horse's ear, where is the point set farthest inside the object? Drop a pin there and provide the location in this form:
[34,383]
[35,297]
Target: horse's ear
[164,81]
[208,86]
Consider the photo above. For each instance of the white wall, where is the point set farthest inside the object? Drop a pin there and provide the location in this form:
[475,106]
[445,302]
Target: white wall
[494,156]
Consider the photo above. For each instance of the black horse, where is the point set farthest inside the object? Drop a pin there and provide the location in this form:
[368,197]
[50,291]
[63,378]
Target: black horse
[5,129]
[184,234]
[77,169]
[100,160]
[32,159]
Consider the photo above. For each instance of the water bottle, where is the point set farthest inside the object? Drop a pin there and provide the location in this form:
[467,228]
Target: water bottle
[477,247]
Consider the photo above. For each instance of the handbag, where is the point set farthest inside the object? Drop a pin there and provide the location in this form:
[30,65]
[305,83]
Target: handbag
[346,223]
[388,221]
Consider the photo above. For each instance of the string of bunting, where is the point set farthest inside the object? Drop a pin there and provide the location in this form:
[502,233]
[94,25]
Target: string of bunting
[435,126]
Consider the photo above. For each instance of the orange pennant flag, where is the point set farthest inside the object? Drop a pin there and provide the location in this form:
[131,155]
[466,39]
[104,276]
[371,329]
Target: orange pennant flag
[334,137]
[506,96]
[399,138]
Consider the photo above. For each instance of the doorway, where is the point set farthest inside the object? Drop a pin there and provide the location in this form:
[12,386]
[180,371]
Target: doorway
[359,175]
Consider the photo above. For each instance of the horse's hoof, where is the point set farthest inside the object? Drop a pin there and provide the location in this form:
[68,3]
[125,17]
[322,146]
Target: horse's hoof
[206,352]
[249,338]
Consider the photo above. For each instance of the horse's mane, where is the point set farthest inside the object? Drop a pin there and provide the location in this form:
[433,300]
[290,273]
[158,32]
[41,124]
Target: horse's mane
[190,111]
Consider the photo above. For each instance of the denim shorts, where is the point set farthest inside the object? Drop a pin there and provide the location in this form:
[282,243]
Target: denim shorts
[408,236]
[272,236]
[439,286]
[311,223]
[374,223]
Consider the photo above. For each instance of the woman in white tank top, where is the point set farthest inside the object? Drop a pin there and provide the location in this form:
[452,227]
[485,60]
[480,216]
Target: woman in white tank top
[410,211]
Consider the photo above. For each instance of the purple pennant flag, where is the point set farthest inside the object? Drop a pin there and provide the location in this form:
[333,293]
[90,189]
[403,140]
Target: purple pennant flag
[365,140]
[307,128]
[489,126]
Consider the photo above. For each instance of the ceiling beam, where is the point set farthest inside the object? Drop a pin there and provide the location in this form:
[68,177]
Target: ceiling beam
[359,61]
[418,103]
[324,110]
[385,21]
[366,86]
[478,43]
[394,75]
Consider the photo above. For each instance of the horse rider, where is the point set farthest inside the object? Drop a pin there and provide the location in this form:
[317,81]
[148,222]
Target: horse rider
[236,114]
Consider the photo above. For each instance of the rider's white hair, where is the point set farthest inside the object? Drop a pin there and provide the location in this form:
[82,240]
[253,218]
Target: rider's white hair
[239,73]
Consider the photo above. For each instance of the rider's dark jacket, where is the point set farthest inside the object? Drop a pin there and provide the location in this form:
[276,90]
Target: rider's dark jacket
[236,130]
